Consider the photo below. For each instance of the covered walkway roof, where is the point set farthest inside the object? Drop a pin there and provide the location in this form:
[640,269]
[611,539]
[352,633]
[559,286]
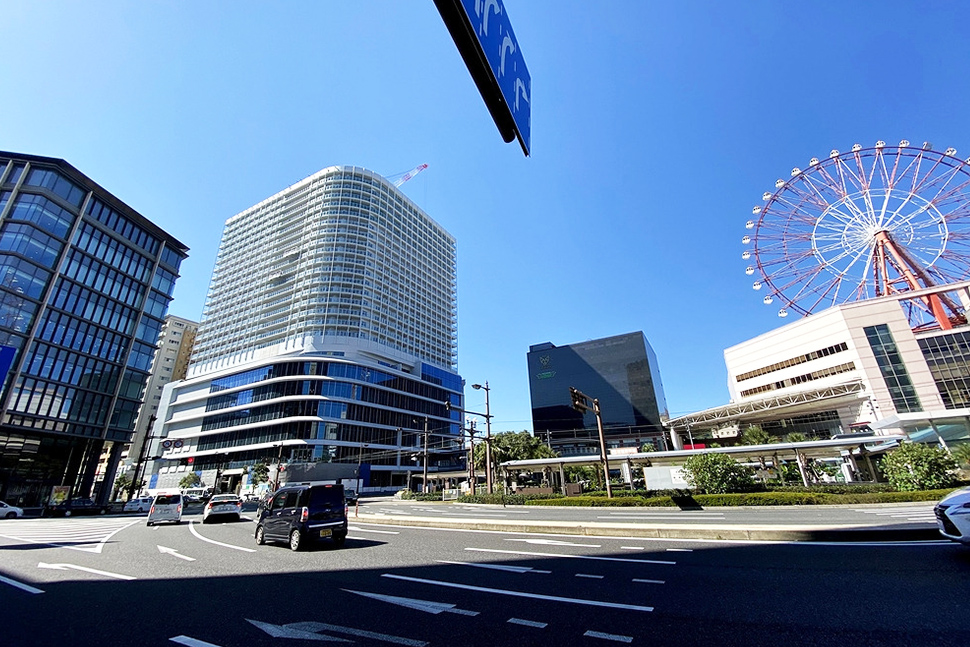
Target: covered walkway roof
[810,449]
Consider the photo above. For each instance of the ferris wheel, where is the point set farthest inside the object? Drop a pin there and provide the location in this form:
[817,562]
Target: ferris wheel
[862,224]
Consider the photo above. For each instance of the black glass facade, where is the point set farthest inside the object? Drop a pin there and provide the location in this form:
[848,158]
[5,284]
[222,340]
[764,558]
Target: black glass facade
[621,372]
[948,357]
[893,369]
[85,282]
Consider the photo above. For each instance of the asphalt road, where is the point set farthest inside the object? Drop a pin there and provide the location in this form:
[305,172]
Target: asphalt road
[114,581]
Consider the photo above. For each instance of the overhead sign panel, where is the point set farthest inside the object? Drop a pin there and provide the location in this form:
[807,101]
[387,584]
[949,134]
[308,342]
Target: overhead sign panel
[483,33]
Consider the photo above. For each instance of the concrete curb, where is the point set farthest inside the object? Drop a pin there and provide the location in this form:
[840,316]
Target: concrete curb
[846,534]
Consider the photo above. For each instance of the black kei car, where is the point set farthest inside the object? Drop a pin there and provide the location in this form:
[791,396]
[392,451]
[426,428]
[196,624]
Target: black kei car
[76,506]
[303,514]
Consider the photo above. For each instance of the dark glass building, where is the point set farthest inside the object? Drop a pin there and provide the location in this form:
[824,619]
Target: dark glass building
[621,372]
[85,283]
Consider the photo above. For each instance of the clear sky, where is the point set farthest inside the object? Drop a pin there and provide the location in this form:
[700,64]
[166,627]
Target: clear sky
[656,127]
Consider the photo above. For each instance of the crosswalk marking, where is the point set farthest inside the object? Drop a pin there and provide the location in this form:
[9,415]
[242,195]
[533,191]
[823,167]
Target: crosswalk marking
[86,535]
[911,513]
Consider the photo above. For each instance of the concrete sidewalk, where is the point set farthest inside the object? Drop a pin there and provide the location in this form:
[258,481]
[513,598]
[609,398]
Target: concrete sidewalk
[808,532]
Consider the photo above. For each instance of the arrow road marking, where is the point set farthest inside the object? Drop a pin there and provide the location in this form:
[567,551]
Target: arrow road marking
[553,542]
[285,631]
[191,642]
[497,567]
[420,605]
[175,553]
[593,557]
[519,594]
[309,631]
[217,543]
[319,626]
[64,567]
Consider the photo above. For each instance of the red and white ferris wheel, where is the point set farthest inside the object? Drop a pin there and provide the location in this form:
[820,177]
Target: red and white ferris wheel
[866,223]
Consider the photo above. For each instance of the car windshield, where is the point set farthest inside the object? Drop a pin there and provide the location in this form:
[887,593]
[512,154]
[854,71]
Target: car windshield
[225,498]
[168,499]
[326,495]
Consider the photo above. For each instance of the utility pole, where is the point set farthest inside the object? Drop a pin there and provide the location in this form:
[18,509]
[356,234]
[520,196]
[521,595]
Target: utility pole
[141,456]
[471,456]
[424,482]
[581,403]
[488,436]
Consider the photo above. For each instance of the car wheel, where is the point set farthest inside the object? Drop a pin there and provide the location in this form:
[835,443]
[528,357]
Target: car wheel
[67,513]
[296,540]
[260,539]
[150,523]
[178,521]
[11,515]
[339,540]
[103,511]
[205,520]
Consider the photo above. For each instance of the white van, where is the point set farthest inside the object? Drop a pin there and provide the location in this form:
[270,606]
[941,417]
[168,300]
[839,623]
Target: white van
[166,507]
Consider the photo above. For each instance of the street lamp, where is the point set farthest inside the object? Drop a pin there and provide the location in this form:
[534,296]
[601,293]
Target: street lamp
[141,455]
[488,436]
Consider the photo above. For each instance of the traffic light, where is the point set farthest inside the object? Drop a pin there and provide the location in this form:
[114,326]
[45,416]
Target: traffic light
[580,401]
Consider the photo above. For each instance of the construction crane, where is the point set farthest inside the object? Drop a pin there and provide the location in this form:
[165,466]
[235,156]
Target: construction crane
[410,174]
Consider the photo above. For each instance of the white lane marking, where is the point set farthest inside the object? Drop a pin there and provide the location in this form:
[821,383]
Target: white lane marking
[663,515]
[680,550]
[614,637]
[497,567]
[217,543]
[593,557]
[174,553]
[648,581]
[519,594]
[380,532]
[64,567]
[413,603]
[320,626]
[592,577]
[527,623]
[19,585]
[631,547]
[191,642]
[555,542]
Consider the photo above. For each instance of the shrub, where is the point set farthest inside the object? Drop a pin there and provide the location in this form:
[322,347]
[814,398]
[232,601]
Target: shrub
[421,496]
[717,474]
[914,466]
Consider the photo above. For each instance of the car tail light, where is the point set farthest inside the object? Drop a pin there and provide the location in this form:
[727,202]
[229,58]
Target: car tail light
[179,509]
[152,510]
[304,514]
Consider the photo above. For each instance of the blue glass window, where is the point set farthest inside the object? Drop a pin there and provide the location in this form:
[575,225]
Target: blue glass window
[56,183]
[30,242]
[44,213]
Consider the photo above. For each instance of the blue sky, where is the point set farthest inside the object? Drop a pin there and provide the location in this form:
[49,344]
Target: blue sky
[656,126]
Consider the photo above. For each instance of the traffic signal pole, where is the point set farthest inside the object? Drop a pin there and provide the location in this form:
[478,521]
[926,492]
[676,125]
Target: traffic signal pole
[581,404]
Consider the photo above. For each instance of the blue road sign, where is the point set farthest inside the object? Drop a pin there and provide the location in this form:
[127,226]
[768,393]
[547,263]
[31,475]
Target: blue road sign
[490,24]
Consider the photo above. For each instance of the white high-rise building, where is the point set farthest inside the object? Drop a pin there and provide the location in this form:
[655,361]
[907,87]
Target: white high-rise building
[329,335]
[342,255]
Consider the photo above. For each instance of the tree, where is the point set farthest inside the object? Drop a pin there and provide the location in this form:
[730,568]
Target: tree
[961,453]
[190,480]
[915,466]
[122,483]
[512,446]
[755,435]
[258,473]
[716,473]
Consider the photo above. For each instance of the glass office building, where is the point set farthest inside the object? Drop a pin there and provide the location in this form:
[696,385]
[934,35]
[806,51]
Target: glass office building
[329,335]
[85,283]
[621,372]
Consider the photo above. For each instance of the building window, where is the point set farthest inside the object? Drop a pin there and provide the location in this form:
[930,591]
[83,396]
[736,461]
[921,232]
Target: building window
[948,357]
[893,369]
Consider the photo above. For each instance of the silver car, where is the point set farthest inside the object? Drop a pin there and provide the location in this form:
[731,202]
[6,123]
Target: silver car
[953,516]
[8,511]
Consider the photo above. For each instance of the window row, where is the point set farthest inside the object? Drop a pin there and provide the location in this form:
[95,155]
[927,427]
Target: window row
[81,336]
[302,408]
[40,398]
[86,270]
[63,365]
[44,213]
[801,359]
[801,379]
[98,309]
[30,242]
[23,277]
[56,184]
[113,252]
[123,226]
[893,370]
